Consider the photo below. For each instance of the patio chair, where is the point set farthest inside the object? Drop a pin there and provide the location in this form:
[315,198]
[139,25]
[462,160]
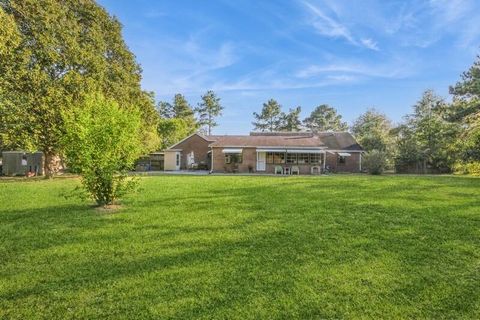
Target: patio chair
[287,170]
[315,170]
[278,170]
[295,170]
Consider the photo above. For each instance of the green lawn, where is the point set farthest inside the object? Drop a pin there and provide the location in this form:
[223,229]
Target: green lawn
[246,248]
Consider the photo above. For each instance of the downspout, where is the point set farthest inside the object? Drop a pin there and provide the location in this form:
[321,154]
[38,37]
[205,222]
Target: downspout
[211,160]
[324,160]
[360,162]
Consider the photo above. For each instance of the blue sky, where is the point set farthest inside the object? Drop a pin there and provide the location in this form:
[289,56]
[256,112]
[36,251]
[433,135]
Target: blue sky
[351,54]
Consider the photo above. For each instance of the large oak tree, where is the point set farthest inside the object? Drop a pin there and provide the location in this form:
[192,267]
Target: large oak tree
[59,51]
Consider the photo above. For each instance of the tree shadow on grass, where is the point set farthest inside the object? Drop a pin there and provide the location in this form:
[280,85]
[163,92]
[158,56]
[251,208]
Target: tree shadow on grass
[271,252]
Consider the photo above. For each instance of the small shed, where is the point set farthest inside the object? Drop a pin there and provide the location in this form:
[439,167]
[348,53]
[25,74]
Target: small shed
[16,163]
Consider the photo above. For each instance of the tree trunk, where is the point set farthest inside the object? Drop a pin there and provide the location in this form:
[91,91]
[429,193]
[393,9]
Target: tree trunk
[52,164]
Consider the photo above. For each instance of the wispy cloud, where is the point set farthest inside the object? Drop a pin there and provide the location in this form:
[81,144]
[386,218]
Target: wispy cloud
[370,44]
[331,27]
[328,26]
[394,69]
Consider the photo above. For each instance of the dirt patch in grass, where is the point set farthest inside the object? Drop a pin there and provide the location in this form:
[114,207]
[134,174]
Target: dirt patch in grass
[112,208]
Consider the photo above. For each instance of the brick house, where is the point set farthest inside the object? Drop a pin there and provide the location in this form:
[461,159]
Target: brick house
[273,152]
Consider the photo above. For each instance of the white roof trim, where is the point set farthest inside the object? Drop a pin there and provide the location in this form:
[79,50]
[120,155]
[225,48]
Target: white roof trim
[231,150]
[271,150]
[305,151]
[193,134]
[344,154]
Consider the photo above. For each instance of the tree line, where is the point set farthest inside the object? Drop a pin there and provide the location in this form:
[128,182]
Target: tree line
[437,136]
[70,87]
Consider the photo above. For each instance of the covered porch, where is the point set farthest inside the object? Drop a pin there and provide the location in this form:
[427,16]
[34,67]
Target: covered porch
[287,161]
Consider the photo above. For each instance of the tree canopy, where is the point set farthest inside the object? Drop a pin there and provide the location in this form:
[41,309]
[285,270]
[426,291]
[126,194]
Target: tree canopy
[373,130]
[325,118]
[426,137]
[62,51]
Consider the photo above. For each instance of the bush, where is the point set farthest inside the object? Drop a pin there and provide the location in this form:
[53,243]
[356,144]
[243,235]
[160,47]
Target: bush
[472,168]
[374,161]
[101,143]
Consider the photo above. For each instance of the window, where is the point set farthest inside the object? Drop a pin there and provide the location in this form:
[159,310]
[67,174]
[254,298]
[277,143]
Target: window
[315,158]
[233,158]
[178,159]
[342,159]
[275,157]
[278,157]
[291,158]
[269,157]
[302,158]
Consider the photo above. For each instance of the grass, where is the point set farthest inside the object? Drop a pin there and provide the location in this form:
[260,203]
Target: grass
[246,248]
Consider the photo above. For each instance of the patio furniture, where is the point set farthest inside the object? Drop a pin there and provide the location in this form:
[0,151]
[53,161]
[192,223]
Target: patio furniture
[295,170]
[315,170]
[287,170]
[278,170]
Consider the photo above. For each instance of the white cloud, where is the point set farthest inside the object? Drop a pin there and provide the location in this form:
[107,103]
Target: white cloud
[330,27]
[327,26]
[370,44]
[394,69]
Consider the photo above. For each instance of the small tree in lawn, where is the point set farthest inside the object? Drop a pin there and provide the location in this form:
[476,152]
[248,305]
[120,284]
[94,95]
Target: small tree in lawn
[102,142]
[375,161]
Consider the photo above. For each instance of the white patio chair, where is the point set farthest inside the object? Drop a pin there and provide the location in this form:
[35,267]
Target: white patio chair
[278,170]
[295,170]
[315,168]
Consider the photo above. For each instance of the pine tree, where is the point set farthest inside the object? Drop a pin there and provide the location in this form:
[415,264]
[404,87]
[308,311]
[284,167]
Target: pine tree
[208,110]
[325,118]
[291,120]
[270,119]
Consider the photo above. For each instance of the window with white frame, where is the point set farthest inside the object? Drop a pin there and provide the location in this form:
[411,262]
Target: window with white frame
[291,158]
[302,158]
[342,159]
[233,158]
[270,157]
[279,157]
[315,158]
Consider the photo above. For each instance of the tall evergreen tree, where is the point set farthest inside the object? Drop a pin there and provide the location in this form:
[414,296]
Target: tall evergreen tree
[425,139]
[465,109]
[270,119]
[177,121]
[165,110]
[325,118]
[181,108]
[65,50]
[208,110]
[291,120]
[466,93]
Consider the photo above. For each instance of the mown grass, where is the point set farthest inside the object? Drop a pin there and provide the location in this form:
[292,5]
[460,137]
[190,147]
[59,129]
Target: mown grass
[246,248]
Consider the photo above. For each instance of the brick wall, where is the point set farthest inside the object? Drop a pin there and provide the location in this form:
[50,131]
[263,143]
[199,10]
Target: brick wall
[352,163]
[200,149]
[249,160]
